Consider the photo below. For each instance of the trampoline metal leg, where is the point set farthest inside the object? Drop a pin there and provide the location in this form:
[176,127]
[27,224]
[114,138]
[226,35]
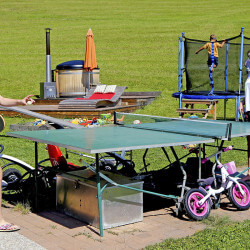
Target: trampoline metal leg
[225,109]
[236,108]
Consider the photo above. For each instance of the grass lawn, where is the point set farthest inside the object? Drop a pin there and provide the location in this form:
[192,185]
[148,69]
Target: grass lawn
[136,46]
[136,41]
[221,233]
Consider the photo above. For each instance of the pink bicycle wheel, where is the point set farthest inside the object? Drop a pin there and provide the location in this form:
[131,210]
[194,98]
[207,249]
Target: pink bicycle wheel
[193,208]
[242,202]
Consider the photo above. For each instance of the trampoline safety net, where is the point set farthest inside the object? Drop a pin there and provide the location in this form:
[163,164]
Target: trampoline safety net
[225,75]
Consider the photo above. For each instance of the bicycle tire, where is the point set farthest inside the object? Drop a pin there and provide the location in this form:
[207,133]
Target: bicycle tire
[11,175]
[193,209]
[236,198]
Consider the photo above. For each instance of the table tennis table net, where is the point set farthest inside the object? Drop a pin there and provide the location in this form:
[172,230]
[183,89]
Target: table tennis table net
[194,127]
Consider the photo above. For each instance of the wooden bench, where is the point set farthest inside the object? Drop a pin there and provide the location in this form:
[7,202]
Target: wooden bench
[211,107]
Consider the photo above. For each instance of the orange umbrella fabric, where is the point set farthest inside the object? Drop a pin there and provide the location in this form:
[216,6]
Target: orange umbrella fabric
[90,55]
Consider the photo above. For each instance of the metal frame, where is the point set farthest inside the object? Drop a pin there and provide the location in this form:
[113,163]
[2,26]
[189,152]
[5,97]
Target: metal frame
[240,71]
[180,66]
[100,175]
[181,70]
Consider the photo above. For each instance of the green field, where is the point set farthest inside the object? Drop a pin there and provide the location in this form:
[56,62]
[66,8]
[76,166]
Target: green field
[136,45]
[136,42]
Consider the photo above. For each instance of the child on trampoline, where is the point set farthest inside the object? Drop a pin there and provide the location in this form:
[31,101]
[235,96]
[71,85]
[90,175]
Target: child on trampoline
[213,54]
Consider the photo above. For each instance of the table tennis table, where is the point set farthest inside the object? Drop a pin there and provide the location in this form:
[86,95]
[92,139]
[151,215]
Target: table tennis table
[152,132]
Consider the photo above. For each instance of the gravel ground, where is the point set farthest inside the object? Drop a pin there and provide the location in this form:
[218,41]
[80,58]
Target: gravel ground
[14,240]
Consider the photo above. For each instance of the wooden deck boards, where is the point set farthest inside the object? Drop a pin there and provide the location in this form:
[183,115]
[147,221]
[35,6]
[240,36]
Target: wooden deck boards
[52,110]
[130,101]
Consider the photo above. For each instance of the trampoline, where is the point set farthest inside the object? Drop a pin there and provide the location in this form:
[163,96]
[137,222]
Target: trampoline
[227,79]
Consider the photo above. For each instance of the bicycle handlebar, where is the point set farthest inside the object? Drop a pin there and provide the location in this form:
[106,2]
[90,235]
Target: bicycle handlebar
[204,160]
[227,149]
[216,154]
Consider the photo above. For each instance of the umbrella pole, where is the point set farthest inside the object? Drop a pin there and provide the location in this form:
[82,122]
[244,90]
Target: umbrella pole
[89,81]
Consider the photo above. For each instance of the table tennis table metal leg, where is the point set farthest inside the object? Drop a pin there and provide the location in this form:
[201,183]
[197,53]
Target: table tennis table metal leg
[183,186]
[99,193]
[199,161]
[166,154]
[35,177]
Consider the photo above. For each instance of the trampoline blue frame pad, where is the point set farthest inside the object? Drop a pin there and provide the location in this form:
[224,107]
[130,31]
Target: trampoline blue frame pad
[206,96]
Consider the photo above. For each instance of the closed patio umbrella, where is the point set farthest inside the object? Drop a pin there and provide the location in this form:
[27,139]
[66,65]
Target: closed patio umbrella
[90,55]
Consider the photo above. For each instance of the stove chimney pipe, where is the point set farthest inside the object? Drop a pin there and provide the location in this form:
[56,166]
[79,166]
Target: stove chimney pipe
[48,57]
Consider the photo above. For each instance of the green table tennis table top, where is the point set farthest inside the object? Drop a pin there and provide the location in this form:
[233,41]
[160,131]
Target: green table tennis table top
[116,138]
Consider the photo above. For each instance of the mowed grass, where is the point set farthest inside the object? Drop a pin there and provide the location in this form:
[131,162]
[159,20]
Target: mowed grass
[136,42]
[224,235]
[136,46]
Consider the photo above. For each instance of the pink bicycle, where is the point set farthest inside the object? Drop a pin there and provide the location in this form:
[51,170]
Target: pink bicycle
[198,201]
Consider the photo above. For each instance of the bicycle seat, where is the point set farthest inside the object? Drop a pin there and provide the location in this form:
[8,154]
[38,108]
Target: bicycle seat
[206,182]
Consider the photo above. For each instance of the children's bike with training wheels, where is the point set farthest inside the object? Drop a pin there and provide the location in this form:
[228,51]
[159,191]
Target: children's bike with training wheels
[198,201]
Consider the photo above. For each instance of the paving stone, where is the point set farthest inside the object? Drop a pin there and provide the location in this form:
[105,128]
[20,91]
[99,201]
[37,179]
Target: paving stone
[53,230]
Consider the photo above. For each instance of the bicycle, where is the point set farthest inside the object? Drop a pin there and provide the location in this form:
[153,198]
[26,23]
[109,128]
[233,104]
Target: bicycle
[198,201]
